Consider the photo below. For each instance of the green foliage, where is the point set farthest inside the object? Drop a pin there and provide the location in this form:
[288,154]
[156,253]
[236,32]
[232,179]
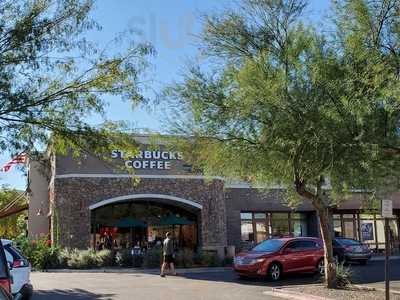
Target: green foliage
[153,258]
[54,77]
[284,103]
[14,225]
[123,258]
[185,258]
[40,253]
[343,276]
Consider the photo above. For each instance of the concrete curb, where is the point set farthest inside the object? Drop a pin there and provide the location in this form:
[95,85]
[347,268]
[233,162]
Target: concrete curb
[381,258]
[138,271]
[279,292]
[373,288]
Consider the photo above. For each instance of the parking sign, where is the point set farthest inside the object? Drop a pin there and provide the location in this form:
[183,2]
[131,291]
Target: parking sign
[387,209]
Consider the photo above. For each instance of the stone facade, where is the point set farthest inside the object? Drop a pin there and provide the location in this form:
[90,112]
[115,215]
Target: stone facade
[74,196]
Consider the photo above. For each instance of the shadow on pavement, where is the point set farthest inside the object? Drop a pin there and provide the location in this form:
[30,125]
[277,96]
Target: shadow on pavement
[73,294]
[230,276]
[374,272]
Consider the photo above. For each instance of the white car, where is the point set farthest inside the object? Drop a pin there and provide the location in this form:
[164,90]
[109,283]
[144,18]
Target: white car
[20,270]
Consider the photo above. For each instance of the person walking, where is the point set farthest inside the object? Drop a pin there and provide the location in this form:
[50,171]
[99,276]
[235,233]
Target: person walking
[168,255]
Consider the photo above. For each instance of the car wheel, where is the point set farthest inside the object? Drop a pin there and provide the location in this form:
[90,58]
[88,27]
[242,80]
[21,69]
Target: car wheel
[321,267]
[275,272]
[363,262]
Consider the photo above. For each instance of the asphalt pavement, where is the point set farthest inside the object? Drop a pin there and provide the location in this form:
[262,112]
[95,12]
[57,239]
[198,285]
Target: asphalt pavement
[219,285]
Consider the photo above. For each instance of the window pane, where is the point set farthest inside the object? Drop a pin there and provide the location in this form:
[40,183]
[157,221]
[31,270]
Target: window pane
[247,231]
[337,227]
[366,217]
[259,216]
[348,229]
[260,226]
[297,216]
[380,233]
[269,246]
[280,227]
[348,216]
[280,216]
[308,245]
[299,227]
[246,216]
[394,235]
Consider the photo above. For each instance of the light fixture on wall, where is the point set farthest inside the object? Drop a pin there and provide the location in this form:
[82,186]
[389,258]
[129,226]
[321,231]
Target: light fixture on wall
[39,212]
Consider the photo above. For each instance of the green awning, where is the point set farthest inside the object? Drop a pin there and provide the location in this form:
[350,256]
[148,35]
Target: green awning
[129,223]
[174,220]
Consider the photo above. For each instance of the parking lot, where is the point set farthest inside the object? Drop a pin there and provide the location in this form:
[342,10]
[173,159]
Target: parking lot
[193,286]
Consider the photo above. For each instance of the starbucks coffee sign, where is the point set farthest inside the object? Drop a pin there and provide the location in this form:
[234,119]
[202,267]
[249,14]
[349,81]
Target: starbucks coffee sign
[146,159]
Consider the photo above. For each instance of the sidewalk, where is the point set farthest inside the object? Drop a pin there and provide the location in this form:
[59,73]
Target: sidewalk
[382,257]
[140,271]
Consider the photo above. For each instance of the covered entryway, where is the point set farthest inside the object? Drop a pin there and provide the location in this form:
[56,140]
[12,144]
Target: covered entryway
[142,220]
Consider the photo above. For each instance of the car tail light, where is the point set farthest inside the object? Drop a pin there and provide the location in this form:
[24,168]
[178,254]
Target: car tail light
[6,284]
[19,263]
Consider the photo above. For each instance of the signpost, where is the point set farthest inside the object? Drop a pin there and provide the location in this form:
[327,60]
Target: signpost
[387,212]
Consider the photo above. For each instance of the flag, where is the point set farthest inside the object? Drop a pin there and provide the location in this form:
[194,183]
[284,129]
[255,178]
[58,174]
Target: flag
[19,159]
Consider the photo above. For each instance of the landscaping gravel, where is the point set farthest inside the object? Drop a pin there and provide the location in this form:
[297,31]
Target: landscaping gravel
[347,294]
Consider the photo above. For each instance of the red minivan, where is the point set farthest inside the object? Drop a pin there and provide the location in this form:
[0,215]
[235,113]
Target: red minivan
[275,257]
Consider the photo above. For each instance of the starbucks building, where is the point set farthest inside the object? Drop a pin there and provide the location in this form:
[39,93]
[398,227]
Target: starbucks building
[79,201]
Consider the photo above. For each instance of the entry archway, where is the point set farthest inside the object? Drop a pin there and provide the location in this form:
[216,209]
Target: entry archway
[140,197]
[151,216]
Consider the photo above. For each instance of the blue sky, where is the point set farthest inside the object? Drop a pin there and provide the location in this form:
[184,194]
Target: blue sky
[171,27]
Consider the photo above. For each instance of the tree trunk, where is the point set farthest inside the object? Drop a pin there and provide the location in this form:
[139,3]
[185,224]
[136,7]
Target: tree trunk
[324,217]
[325,222]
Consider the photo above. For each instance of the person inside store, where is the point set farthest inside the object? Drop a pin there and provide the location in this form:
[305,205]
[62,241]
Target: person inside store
[168,255]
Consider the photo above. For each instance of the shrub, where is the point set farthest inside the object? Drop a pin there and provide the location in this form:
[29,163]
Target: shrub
[39,253]
[105,258]
[343,276]
[123,258]
[210,259]
[185,258]
[152,258]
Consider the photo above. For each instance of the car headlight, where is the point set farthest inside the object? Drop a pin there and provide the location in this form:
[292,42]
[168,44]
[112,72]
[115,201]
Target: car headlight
[256,261]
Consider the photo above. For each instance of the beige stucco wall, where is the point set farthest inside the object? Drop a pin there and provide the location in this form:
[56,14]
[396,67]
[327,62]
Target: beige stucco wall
[38,225]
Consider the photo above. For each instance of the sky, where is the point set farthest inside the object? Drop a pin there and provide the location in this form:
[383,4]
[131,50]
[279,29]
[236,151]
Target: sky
[171,27]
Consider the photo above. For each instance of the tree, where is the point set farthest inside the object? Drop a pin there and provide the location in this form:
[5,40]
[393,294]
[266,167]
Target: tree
[52,78]
[276,106]
[13,225]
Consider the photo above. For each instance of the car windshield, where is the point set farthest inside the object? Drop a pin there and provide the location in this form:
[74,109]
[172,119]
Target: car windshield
[348,242]
[268,246]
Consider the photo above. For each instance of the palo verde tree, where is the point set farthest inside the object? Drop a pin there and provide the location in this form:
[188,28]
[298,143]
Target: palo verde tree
[52,78]
[270,107]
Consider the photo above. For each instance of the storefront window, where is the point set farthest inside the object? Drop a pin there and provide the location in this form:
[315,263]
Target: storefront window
[280,227]
[380,233]
[299,227]
[246,216]
[247,231]
[348,229]
[260,215]
[337,225]
[261,232]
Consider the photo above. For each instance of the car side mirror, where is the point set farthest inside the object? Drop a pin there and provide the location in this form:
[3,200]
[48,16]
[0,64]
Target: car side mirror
[287,251]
